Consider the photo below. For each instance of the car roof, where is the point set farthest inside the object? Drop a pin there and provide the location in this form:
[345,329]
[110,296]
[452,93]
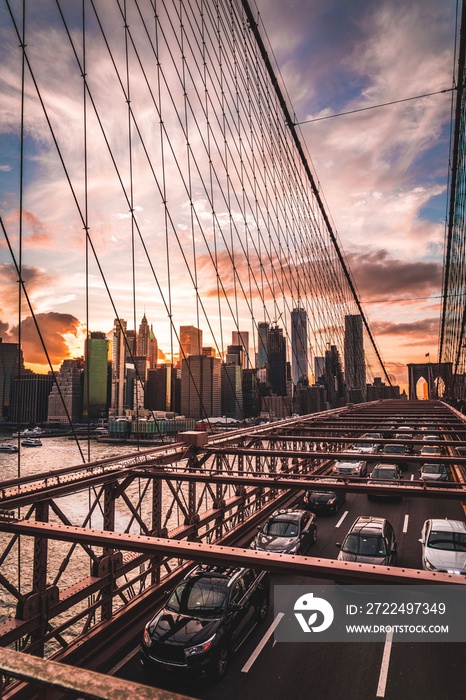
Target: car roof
[368,523]
[386,466]
[351,462]
[222,574]
[446,525]
[286,513]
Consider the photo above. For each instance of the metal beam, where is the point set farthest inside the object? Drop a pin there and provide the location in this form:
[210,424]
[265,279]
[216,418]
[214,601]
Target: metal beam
[210,553]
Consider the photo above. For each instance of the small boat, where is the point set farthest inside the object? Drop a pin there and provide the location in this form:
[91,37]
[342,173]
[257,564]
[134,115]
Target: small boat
[31,442]
[30,432]
[8,448]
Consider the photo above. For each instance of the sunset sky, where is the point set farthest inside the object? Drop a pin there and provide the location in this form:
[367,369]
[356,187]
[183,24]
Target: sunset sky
[383,172]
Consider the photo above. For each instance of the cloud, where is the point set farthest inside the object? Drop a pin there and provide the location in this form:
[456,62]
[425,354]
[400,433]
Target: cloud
[53,328]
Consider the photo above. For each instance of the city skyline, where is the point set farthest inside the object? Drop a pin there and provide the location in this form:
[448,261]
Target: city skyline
[383,172]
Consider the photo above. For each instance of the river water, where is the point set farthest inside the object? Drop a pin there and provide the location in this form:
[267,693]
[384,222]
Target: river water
[57,453]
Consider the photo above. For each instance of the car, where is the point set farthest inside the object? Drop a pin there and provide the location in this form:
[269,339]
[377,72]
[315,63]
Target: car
[444,546]
[204,620]
[434,472]
[289,531]
[350,467]
[370,540]
[364,448]
[430,451]
[322,499]
[431,438]
[384,475]
[398,452]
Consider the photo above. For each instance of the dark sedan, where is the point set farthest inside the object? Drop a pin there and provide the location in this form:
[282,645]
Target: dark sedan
[323,500]
[289,531]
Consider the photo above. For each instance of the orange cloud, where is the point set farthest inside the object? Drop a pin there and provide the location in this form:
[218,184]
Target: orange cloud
[53,327]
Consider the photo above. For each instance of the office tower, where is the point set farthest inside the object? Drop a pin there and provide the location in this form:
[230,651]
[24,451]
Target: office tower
[66,398]
[299,357]
[208,351]
[143,339]
[355,369]
[319,369]
[30,397]
[334,381]
[201,387]
[263,334]
[153,349]
[190,342]
[242,338]
[119,352]
[141,366]
[159,388]
[95,377]
[251,402]
[235,355]
[11,364]
[276,363]
[131,345]
[232,390]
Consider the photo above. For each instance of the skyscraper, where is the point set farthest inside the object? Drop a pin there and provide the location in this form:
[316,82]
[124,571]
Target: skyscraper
[263,334]
[299,356]
[119,352]
[66,399]
[95,376]
[276,361]
[143,338]
[11,364]
[242,338]
[232,390]
[190,342]
[200,387]
[355,369]
[153,349]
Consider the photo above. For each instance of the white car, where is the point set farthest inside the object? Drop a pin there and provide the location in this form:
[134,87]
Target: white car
[444,546]
[350,467]
[364,448]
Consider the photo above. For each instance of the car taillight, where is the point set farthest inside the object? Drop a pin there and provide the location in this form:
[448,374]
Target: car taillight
[146,637]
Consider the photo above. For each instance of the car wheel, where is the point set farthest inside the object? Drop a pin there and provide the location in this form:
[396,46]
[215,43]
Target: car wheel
[222,661]
[263,609]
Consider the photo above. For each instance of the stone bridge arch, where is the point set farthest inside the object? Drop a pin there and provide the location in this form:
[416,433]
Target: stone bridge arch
[436,374]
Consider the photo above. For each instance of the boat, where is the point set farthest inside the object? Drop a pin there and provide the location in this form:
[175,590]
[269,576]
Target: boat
[31,442]
[8,448]
[29,432]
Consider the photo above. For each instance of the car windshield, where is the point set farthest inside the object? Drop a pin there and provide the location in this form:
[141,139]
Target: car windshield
[384,473]
[281,528]
[430,450]
[201,598]
[453,541]
[321,494]
[372,546]
[394,449]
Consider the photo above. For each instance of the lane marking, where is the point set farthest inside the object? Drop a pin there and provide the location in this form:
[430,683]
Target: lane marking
[384,665]
[412,477]
[342,518]
[262,643]
[405,523]
[127,658]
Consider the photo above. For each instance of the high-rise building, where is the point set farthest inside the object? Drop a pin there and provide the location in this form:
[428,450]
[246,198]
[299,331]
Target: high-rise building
[235,355]
[190,342]
[251,400]
[319,369]
[159,388]
[276,362]
[299,354]
[153,349]
[201,387]
[11,364]
[263,334]
[355,368]
[66,398]
[232,390]
[95,377]
[30,397]
[119,353]
[242,338]
[334,381]
[143,338]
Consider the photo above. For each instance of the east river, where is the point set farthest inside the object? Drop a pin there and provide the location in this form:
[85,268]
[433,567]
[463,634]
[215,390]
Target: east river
[66,564]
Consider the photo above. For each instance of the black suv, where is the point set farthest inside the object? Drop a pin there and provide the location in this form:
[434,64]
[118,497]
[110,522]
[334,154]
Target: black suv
[206,618]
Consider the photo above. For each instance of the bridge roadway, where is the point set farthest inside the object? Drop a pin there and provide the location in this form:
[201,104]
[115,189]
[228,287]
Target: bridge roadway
[353,671]
[427,670]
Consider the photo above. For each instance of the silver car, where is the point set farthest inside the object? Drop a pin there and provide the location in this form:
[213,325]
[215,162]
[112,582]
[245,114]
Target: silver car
[444,546]
[434,472]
